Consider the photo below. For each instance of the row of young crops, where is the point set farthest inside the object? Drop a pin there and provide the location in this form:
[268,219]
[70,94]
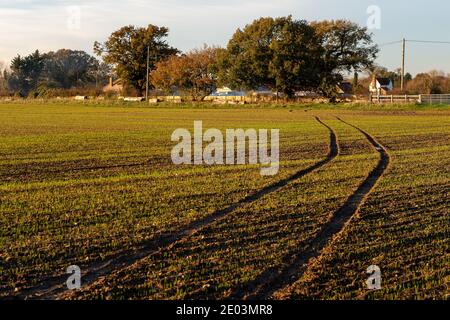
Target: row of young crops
[404,226]
[84,185]
[73,194]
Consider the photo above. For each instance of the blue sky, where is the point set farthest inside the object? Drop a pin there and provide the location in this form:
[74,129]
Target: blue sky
[26,25]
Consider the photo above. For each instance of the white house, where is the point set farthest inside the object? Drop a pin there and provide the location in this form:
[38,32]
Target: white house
[224,91]
[227,92]
[381,86]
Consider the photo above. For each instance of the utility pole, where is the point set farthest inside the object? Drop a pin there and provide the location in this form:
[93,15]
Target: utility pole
[403,64]
[148,67]
[156,62]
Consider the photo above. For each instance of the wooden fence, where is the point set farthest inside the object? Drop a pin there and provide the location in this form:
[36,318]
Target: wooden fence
[435,98]
[421,98]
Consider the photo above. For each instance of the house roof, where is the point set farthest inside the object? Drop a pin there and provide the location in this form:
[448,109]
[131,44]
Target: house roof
[223,90]
[384,81]
[346,87]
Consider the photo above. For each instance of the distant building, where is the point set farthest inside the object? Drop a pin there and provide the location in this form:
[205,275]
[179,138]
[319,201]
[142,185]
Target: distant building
[344,88]
[307,94]
[381,86]
[223,91]
[113,86]
[227,92]
[264,91]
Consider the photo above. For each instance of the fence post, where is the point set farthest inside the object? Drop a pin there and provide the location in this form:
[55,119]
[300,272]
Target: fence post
[420,98]
[392,98]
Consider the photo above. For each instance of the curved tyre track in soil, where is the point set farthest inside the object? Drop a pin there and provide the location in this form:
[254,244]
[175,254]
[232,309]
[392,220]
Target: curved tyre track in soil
[296,263]
[54,287]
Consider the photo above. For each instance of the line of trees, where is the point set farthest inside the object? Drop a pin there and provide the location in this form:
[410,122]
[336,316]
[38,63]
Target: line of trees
[53,73]
[432,82]
[283,55]
[4,89]
[287,55]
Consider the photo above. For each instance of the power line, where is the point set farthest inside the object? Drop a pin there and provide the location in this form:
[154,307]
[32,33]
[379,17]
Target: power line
[428,41]
[415,41]
[403,42]
[389,43]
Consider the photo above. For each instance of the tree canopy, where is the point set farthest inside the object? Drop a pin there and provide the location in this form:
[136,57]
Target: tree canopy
[26,72]
[288,55]
[280,54]
[194,72]
[68,68]
[347,47]
[294,65]
[126,51]
[63,69]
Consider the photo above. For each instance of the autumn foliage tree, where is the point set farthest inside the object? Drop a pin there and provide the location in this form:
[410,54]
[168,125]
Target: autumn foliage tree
[280,54]
[433,82]
[193,73]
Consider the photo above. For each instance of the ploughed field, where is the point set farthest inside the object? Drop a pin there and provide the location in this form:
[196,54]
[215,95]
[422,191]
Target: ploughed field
[95,186]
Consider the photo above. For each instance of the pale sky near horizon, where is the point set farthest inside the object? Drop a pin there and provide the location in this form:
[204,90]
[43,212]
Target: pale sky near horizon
[27,25]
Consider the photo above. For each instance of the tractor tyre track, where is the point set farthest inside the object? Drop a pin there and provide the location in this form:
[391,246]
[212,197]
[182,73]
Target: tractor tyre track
[296,263]
[55,287]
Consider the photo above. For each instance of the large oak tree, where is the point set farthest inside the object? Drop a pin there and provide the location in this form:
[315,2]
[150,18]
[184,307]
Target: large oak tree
[279,54]
[348,48]
[290,55]
[126,51]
